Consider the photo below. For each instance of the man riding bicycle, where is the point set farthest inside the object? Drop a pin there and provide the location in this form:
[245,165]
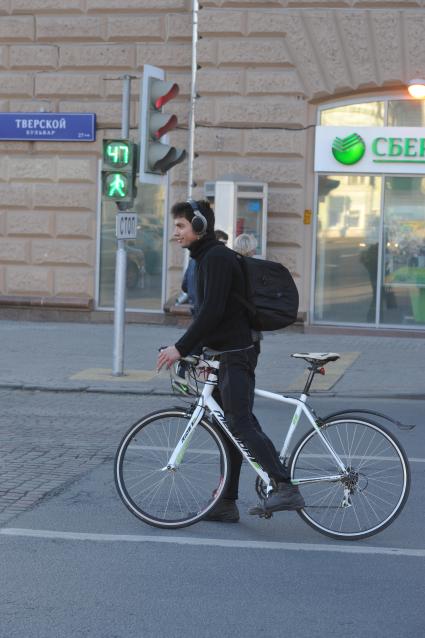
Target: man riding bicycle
[222,325]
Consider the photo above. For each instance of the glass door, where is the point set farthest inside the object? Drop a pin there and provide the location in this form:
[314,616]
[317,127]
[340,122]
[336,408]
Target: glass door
[403,264]
[144,254]
[347,248]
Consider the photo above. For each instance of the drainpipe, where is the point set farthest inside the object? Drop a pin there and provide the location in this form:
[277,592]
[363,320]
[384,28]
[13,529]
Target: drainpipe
[191,143]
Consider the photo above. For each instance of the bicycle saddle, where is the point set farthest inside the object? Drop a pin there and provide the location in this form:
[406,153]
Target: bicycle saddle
[317,357]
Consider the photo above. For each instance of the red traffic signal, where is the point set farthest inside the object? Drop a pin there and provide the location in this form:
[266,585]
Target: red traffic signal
[163,92]
[157,156]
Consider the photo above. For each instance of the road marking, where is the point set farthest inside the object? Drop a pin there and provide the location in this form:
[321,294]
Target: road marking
[210,542]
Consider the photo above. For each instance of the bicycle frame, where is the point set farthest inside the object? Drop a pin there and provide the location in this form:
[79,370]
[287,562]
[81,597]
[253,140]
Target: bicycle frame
[206,402]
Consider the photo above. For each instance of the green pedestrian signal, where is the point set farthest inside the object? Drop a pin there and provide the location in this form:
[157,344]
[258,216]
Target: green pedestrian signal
[116,186]
[118,170]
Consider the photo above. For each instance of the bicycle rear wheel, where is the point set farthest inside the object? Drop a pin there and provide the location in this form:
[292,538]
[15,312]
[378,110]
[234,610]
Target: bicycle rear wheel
[170,498]
[364,499]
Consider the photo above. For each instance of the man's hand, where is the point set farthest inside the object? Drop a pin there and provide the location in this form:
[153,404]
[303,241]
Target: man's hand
[167,357]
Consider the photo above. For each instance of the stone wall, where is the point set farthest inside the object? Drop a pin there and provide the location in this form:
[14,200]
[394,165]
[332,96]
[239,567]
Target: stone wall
[265,68]
[68,55]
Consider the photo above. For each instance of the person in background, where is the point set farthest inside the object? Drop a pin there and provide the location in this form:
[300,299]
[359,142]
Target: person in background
[189,285]
[221,236]
[245,245]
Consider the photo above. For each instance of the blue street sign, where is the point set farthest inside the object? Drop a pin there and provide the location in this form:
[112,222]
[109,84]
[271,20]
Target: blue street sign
[62,127]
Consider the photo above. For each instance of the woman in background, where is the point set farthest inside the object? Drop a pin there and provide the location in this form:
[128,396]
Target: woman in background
[245,245]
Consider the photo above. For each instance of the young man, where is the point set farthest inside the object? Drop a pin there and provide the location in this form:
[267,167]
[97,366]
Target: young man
[222,324]
[189,285]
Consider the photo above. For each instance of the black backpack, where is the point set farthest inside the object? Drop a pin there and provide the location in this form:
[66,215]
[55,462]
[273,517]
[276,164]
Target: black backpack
[272,296]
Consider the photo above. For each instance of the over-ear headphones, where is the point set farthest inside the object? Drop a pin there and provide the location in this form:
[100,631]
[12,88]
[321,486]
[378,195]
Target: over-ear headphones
[199,223]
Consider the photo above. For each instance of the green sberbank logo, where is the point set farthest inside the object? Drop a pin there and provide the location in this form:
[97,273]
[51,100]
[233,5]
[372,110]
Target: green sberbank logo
[348,150]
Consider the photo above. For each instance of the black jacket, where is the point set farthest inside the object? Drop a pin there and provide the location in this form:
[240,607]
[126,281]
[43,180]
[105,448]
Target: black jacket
[222,321]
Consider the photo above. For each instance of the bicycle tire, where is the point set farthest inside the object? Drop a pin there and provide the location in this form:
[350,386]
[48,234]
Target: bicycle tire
[378,477]
[170,498]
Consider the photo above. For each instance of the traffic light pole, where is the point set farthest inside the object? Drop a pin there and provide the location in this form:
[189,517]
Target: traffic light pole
[121,256]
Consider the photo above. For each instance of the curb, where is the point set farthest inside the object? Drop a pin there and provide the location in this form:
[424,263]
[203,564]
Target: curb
[27,387]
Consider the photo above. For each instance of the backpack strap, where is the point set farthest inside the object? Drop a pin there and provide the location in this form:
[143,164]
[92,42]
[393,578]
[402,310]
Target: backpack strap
[244,299]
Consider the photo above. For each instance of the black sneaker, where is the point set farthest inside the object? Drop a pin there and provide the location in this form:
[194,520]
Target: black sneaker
[285,497]
[225,511]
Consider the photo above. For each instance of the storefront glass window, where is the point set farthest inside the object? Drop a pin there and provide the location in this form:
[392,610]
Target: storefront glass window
[366,114]
[406,113]
[403,289]
[144,254]
[347,248]
[370,258]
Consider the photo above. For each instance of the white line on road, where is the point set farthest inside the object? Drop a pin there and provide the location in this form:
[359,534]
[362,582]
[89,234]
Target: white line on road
[210,542]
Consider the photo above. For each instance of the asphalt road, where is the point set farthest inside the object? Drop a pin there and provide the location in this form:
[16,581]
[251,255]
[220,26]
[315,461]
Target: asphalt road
[78,564]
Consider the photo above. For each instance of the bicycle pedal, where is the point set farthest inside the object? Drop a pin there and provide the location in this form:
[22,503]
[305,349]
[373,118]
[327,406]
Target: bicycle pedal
[260,512]
[257,510]
[266,515]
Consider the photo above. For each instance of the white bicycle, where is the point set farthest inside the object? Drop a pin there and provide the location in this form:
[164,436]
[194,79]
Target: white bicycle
[172,466]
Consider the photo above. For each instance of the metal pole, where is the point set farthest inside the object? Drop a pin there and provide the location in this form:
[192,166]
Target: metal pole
[121,256]
[191,142]
[193,95]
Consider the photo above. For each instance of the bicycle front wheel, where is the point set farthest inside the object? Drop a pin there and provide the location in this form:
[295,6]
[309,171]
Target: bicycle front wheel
[368,495]
[170,498]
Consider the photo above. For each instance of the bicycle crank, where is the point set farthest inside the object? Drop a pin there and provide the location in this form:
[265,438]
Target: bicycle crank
[266,515]
[260,511]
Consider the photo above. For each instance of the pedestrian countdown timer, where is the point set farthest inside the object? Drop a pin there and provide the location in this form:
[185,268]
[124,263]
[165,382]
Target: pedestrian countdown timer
[118,170]
[117,153]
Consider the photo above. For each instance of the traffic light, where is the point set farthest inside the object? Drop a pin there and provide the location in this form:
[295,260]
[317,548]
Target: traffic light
[118,170]
[157,157]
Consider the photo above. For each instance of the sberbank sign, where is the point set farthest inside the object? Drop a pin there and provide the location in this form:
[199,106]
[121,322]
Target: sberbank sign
[370,150]
[351,149]
[399,149]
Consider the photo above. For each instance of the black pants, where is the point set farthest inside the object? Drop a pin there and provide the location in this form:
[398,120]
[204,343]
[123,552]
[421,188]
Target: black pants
[235,394]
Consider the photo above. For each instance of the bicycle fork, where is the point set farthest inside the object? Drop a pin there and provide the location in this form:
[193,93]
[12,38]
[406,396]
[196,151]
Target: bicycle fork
[180,449]
[197,414]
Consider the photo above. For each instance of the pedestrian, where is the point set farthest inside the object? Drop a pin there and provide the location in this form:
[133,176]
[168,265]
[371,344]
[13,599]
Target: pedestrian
[189,285]
[245,244]
[222,324]
[221,236]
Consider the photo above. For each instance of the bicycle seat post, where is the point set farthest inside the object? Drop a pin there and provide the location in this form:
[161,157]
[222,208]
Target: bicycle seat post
[313,369]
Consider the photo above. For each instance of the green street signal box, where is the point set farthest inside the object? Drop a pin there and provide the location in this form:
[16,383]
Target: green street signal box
[118,170]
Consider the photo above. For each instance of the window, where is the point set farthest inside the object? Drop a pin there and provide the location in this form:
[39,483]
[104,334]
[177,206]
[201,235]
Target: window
[370,235]
[367,114]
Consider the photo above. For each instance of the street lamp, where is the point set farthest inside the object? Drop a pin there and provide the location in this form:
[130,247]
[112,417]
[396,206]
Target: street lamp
[416,88]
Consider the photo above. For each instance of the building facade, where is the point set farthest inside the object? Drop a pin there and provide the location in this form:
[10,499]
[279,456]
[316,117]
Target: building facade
[273,75]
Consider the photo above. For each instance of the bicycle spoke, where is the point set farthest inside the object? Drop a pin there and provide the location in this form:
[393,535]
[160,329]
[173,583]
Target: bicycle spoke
[371,491]
[169,497]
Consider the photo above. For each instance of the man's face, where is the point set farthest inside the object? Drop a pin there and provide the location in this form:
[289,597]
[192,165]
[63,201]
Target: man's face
[184,232]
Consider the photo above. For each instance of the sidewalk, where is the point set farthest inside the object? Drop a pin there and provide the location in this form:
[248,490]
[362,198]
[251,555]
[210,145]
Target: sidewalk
[78,357]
